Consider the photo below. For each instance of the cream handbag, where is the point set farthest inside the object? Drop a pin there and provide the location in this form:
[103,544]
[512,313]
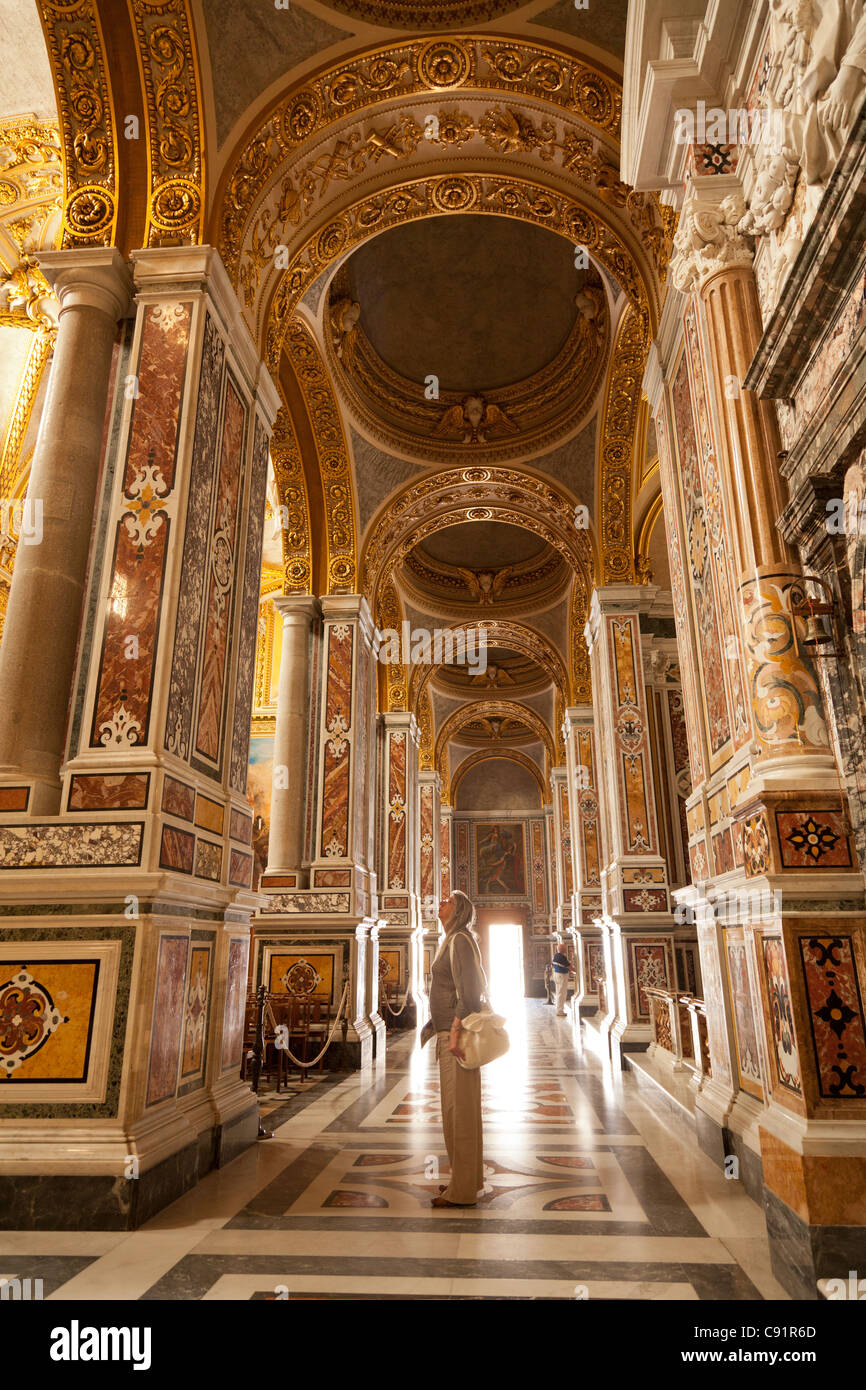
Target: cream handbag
[484,1036]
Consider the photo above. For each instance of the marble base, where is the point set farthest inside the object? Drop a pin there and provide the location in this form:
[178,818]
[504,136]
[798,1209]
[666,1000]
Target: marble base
[801,1254]
[58,1202]
[236,1135]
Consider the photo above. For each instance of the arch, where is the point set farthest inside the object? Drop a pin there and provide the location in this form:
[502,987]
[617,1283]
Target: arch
[507,709]
[518,636]
[456,496]
[512,755]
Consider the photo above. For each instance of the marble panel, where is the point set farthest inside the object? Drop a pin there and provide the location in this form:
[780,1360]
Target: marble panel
[178,799]
[176,849]
[246,656]
[836,1015]
[195,1012]
[168,1012]
[75,846]
[336,757]
[220,578]
[241,827]
[396,810]
[236,993]
[745,1031]
[125,791]
[208,860]
[14,798]
[813,839]
[781,1014]
[209,815]
[240,869]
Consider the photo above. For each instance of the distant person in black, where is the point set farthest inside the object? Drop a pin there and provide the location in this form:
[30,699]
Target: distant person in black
[561,972]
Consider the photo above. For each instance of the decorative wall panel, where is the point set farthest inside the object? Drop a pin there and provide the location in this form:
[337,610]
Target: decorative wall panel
[246,664]
[836,1015]
[631,736]
[338,725]
[124,792]
[168,1011]
[743,1007]
[236,993]
[195,1013]
[781,1015]
[77,846]
[396,847]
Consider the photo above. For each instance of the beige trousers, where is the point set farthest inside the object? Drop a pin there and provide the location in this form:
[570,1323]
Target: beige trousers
[460,1092]
[560,986]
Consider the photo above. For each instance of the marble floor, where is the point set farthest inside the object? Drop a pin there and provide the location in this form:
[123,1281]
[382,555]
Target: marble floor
[589,1194]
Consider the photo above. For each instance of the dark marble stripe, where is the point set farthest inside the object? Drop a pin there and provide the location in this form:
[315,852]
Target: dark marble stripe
[53,1270]
[273,1200]
[438,1225]
[192,1276]
[667,1212]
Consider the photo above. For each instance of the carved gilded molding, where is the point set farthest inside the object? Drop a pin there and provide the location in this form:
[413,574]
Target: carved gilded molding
[338,486]
[452,193]
[424,720]
[292,494]
[619,422]
[389,614]
[481,709]
[519,637]
[173,113]
[31,196]
[483,756]
[76,52]
[527,416]
[364,81]
[408,14]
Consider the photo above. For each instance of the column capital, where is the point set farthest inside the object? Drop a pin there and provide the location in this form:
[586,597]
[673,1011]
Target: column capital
[429,776]
[295,608]
[348,608]
[401,719]
[709,238]
[91,277]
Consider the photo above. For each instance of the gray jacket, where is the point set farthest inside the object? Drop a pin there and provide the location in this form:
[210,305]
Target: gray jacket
[454,995]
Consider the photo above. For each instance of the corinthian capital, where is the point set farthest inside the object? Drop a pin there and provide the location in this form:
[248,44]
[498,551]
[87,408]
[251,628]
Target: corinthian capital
[708,239]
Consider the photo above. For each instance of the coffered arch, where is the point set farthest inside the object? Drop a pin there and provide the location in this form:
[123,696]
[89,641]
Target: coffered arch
[520,637]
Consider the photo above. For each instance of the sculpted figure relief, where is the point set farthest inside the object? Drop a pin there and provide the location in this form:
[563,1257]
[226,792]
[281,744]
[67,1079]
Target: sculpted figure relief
[707,239]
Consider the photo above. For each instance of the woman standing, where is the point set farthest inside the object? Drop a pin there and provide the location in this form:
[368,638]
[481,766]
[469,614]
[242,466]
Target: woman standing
[458,987]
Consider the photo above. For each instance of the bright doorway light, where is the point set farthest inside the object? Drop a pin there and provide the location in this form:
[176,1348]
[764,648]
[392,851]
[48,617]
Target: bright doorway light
[503,1078]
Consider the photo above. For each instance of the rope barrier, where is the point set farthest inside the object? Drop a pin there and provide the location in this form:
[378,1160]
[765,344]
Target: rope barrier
[307,1066]
[395,1013]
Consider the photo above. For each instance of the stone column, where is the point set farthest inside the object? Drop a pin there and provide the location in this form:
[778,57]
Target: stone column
[636,914]
[429,801]
[563,861]
[291,740]
[326,929]
[399,899]
[43,617]
[588,854]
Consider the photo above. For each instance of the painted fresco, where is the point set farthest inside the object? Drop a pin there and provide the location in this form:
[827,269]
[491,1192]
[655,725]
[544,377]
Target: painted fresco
[500,869]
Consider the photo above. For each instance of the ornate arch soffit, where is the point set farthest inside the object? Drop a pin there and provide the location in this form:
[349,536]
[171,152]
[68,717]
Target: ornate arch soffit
[390,615]
[293,495]
[459,495]
[338,488]
[170,79]
[507,709]
[619,421]
[653,512]
[519,637]
[483,756]
[77,55]
[586,222]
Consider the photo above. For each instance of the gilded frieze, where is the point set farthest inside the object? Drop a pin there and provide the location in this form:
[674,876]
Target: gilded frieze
[76,51]
[338,489]
[293,496]
[408,14]
[621,407]
[400,70]
[169,75]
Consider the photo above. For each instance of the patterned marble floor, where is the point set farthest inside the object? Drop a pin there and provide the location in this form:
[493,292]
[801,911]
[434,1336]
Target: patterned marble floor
[588,1193]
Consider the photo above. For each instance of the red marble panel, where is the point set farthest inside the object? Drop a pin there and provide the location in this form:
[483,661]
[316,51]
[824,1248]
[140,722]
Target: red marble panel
[221,567]
[176,850]
[781,1018]
[167,1018]
[835,1015]
[723,853]
[14,798]
[396,809]
[593,964]
[537,840]
[196,1012]
[241,827]
[428,844]
[236,991]
[813,839]
[240,869]
[444,859]
[178,799]
[566,840]
[332,878]
[644,899]
[124,792]
[337,752]
[156,407]
[648,969]
[122,707]
[630,735]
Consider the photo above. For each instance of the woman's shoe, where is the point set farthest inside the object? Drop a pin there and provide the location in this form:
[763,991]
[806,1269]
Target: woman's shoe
[441,1201]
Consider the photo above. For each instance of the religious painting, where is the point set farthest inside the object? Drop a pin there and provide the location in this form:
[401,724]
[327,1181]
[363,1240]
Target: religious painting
[500,870]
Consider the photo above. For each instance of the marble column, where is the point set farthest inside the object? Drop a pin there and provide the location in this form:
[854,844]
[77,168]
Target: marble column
[43,618]
[291,740]
[563,860]
[635,918]
[588,854]
[325,929]
[429,802]
[399,859]
[143,877]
